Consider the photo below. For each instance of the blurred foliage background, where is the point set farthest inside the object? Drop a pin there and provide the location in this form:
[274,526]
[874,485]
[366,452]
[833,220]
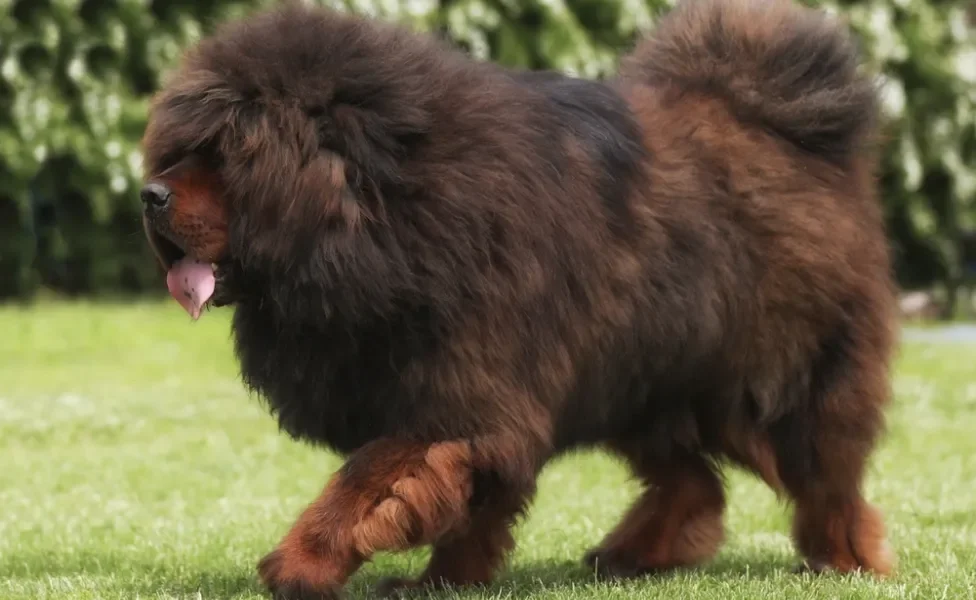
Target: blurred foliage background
[76,76]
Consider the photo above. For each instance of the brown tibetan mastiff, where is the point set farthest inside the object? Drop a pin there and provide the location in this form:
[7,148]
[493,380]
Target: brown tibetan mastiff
[453,273]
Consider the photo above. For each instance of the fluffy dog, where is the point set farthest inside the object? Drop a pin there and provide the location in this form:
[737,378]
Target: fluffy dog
[453,272]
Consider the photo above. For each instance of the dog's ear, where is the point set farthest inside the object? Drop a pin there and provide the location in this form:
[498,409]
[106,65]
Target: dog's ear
[285,188]
[374,142]
[299,219]
[375,120]
[371,169]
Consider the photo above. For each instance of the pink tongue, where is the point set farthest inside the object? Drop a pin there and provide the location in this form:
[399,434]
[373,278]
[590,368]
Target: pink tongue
[192,283]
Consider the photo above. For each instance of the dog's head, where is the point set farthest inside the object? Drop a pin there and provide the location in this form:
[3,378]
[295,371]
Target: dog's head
[279,141]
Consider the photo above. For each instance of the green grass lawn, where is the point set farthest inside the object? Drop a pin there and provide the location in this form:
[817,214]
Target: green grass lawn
[134,465]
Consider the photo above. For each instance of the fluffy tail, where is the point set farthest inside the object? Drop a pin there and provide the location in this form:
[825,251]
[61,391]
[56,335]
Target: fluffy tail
[790,69]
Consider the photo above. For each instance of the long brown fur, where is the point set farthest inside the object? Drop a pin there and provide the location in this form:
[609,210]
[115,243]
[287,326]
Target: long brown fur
[453,273]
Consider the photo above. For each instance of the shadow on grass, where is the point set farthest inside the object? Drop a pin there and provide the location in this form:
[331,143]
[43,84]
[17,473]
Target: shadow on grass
[141,578]
[554,577]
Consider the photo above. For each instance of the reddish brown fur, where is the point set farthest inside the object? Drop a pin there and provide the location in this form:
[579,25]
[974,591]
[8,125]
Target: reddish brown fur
[453,273]
[841,534]
[469,556]
[392,496]
[677,522]
[199,215]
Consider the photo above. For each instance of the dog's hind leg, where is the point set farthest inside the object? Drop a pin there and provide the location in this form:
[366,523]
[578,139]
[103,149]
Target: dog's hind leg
[823,442]
[834,527]
[676,522]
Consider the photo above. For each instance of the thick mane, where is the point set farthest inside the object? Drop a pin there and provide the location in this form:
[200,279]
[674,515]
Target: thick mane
[360,152]
[270,94]
[308,116]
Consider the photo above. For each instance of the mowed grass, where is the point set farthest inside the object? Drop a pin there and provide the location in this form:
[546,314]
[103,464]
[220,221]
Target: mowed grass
[134,465]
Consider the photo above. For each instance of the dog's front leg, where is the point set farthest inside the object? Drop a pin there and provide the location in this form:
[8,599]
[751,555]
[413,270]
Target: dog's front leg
[390,495]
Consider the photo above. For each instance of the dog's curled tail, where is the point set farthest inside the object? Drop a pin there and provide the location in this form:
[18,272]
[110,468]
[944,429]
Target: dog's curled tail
[788,68]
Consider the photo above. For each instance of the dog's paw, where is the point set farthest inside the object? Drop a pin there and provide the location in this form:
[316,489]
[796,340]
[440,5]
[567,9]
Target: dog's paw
[813,567]
[607,564]
[291,580]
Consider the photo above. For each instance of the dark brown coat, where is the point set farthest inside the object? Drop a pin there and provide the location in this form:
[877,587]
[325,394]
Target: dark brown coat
[454,272]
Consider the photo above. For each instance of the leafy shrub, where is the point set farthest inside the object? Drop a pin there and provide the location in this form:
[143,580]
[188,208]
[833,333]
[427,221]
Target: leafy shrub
[75,76]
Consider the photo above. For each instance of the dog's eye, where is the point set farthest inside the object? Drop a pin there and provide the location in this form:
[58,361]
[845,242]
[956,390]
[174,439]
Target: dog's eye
[201,157]
[169,161]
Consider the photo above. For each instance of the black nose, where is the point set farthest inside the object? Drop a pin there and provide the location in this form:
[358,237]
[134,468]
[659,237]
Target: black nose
[155,196]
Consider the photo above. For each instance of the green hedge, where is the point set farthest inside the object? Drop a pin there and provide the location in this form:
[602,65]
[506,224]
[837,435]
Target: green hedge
[75,76]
